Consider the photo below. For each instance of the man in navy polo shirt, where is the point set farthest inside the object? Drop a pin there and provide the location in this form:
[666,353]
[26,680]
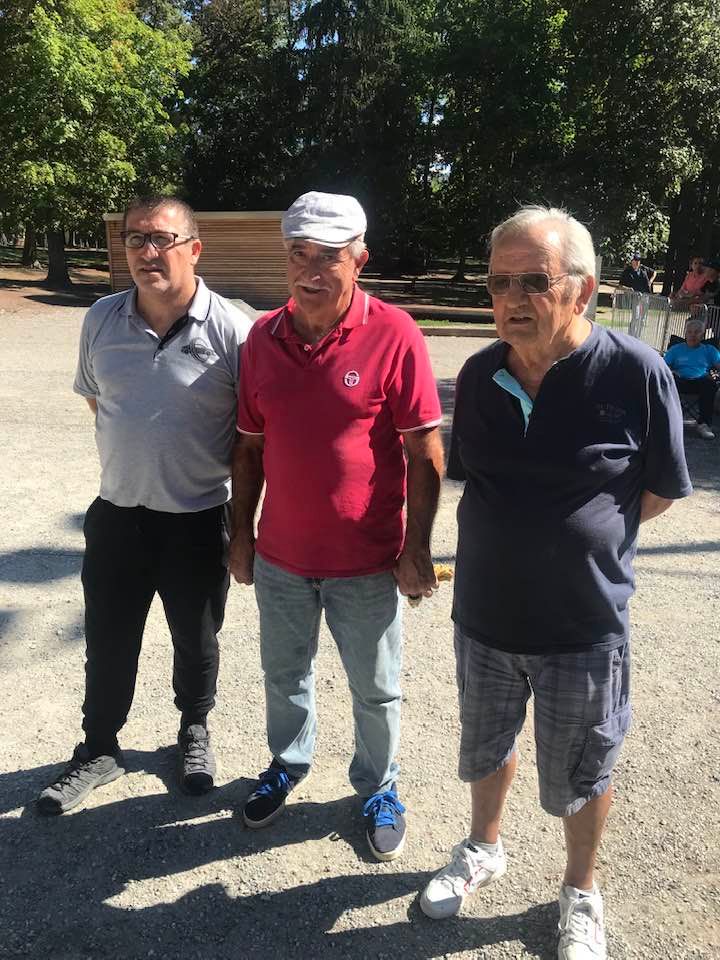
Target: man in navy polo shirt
[636,276]
[158,367]
[337,390]
[567,436]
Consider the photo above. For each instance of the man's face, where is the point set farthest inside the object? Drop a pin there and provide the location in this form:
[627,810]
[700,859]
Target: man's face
[536,320]
[162,272]
[321,278]
[635,263]
[693,336]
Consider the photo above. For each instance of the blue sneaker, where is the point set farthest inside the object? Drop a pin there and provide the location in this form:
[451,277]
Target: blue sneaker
[385,824]
[267,801]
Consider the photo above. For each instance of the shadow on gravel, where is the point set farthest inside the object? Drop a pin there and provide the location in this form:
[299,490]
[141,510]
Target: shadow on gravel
[7,618]
[64,881]
[702,459]
[699,546]
[75,521]
[38,566]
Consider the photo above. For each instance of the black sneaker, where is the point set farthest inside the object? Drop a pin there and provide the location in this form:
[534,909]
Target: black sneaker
[79,778]
[267,801]
[385,824]
[197,760]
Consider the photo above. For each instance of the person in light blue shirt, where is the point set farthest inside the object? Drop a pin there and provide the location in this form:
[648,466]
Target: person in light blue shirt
[694,364]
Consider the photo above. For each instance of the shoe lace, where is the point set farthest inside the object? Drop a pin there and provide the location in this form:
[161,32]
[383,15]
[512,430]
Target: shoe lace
[195,752]
[383,808]
[579,922]
[75,770]
[272,780]
[459,870]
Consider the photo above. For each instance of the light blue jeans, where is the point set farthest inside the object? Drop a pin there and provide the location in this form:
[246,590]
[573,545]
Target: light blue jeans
[364,615]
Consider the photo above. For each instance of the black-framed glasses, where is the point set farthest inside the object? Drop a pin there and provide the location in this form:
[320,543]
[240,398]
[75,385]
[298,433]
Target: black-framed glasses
[531,283]
[160,239]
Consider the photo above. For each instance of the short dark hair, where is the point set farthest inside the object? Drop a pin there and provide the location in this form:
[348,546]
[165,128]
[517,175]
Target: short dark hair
[160,201]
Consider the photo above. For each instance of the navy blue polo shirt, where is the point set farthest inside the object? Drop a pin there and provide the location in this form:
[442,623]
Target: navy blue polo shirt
[549,517]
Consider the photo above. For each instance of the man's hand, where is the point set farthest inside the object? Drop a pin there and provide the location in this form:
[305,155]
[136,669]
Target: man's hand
[415,574]
[241,558]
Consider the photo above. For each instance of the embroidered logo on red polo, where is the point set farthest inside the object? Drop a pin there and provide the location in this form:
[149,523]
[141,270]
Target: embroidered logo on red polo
[351,378]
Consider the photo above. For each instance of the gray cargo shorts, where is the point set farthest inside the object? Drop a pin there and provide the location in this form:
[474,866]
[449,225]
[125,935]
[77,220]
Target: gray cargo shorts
[582,713]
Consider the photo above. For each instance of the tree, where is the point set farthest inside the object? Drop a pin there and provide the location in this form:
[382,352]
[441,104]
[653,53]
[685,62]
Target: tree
[85,89]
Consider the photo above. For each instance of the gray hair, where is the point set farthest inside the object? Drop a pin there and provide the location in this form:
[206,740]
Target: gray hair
[577,251]
[695,323]
[355,248]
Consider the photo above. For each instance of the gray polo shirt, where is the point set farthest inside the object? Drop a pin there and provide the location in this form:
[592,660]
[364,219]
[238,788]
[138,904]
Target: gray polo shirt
[166,411]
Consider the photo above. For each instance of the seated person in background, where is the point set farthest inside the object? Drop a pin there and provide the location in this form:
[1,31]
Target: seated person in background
[710,291]
[693,364]
[636,276]
[694,280]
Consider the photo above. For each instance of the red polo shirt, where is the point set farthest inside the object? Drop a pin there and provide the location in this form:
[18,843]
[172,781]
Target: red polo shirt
[332,415]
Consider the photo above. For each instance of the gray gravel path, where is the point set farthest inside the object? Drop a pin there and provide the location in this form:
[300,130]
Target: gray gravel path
[144,871]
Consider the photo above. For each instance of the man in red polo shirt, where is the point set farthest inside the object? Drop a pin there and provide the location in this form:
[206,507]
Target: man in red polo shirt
[337,392]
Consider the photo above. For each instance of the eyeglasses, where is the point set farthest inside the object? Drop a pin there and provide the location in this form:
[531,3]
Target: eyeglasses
[160,239]
[531,283]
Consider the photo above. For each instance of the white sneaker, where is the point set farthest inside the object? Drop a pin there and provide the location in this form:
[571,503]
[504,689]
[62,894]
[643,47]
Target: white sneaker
[582,931]
[468,870]
[705,432]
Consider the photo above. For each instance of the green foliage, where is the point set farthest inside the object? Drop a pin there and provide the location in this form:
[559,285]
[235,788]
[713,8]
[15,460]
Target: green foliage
[86,90]
[440,115]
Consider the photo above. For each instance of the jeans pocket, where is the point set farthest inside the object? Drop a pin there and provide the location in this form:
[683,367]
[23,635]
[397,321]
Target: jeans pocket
[600,750]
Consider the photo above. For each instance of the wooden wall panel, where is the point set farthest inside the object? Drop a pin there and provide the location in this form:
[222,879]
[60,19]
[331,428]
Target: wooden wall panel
[243,256]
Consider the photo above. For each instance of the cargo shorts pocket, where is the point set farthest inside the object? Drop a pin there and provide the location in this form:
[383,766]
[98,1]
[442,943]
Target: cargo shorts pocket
[600,751]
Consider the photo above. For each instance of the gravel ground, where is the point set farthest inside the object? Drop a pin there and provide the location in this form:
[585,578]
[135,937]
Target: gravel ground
[144,871]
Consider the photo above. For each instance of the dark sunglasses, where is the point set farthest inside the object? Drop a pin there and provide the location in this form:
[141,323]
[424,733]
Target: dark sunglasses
[530,283]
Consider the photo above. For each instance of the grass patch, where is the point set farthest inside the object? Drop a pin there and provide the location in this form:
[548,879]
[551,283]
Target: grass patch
[97,259]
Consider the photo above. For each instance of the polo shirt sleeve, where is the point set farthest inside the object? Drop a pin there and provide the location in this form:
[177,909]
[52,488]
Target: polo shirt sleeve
[666,473]
[249,419]
[411,392]
[85,383]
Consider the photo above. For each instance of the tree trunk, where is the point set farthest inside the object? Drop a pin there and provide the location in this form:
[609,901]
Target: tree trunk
[459,276]
[58,275]
[29,254]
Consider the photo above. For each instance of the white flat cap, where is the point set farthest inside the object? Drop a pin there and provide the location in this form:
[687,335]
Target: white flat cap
[331,219]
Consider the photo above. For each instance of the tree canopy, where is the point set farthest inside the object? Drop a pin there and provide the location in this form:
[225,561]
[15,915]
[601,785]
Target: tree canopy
[86,93]
[439,115]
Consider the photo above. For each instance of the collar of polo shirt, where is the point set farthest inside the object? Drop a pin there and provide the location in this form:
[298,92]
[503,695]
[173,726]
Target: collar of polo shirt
[197,311]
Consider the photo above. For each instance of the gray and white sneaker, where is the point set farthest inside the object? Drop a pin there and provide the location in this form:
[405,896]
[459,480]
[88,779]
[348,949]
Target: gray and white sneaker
[79,778]
[581,926]
[471,867]
[197,760]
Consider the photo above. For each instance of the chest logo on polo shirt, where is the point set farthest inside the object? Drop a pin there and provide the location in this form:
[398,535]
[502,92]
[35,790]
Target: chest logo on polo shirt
[199,350]
[610,413]
[351,378]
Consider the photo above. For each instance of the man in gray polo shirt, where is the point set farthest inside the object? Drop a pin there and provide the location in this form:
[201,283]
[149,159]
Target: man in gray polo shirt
[158,367]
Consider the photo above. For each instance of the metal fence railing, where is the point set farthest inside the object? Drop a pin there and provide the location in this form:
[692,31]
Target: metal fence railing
[654,319]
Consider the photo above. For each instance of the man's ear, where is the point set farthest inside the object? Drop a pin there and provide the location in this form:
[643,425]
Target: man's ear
[360,262]
[583,297]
